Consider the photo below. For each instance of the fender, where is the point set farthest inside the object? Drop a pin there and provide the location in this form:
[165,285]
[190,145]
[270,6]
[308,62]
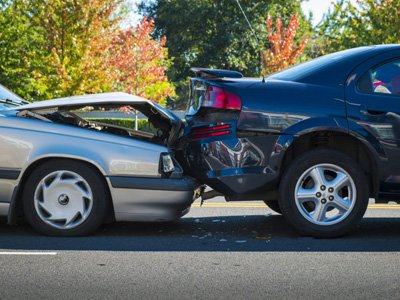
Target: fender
[288,137]
[368,139]
[337,125]
[306,126]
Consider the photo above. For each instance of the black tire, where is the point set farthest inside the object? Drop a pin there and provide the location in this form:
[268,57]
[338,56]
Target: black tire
[273,205]
[287,193]
[100,200]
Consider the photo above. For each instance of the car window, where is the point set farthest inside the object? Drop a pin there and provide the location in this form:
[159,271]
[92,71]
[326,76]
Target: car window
[383,79]
[5,94]
[302,70]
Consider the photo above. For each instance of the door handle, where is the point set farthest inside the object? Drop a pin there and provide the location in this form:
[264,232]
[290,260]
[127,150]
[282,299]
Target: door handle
[372,111]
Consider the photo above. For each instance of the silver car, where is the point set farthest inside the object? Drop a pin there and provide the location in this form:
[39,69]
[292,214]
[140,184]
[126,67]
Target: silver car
[67,174]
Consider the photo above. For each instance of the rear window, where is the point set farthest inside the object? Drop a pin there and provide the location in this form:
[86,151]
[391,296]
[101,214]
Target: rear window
[300,71]
[197,93]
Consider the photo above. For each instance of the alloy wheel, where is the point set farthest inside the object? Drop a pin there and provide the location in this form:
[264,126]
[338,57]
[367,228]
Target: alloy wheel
[325,194]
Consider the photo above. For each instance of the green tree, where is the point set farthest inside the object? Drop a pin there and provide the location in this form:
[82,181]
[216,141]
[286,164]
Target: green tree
[367,22]
[45,45]
[57,48]
[215,34]
[19,42]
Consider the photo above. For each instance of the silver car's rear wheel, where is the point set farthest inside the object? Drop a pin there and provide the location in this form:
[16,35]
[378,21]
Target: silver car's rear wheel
[63,199]
[325,194]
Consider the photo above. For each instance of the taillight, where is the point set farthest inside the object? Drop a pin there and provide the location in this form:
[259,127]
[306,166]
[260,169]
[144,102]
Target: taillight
[219,98]
[211,131]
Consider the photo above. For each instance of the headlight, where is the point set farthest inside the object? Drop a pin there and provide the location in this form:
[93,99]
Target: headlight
[167,164]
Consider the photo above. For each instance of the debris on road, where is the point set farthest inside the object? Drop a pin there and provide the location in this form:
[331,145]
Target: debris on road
[265,237]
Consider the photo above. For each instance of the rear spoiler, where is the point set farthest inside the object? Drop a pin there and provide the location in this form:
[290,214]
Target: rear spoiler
[215,73]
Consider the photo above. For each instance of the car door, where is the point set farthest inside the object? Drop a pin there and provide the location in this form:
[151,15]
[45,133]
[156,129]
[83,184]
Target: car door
[373,108]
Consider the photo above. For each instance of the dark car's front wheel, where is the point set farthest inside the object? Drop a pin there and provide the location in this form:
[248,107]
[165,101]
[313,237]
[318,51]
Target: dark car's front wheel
[323,193]
[65,198]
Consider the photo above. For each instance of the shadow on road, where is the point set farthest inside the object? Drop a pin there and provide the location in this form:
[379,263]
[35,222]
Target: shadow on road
[252,233]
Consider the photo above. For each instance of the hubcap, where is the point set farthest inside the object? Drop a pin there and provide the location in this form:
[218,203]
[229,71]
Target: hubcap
[63,199]
[325,194]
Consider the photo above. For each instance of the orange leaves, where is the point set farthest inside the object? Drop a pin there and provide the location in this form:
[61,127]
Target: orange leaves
[91,53]
[283,50]
[135,62]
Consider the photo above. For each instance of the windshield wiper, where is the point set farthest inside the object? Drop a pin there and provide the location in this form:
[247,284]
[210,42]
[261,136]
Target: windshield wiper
[12,102]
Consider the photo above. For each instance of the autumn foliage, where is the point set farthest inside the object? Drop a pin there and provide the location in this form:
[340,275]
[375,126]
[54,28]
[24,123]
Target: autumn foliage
[139,62]
[58,48]
[127,60]
[283,50]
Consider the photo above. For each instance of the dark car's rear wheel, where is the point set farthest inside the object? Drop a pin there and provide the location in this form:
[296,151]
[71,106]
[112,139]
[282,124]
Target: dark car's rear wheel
[323,193]
[65,198]
[273,205]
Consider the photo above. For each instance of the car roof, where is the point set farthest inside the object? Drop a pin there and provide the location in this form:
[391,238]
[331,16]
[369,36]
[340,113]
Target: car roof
[332,68]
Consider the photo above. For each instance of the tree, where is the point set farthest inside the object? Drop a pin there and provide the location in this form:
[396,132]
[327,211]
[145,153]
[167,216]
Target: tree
[214,34]
[73,29]
[53,38]
[283,51]
[139,62]
[56,48]
[367,22]
[19,41]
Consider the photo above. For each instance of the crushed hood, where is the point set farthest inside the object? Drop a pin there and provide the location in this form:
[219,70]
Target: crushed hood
[94,99]
[156,111]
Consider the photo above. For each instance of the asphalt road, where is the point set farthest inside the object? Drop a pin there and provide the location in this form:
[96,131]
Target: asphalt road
[220,251]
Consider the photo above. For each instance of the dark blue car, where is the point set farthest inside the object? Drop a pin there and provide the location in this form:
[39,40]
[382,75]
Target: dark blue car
[315,141]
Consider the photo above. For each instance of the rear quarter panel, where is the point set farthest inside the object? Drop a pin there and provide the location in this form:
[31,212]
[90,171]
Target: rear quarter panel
[274,113]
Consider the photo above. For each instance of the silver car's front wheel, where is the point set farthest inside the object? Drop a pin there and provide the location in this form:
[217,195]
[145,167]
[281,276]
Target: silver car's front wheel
[65,198]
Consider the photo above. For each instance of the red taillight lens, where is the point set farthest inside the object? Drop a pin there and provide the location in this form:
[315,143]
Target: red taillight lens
[219,98]
[204,132]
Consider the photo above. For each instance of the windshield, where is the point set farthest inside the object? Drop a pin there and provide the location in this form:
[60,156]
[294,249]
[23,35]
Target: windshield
[9,99]
[302,70]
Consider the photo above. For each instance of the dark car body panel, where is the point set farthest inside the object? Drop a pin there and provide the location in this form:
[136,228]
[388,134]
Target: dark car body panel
[247,163]
[377,117]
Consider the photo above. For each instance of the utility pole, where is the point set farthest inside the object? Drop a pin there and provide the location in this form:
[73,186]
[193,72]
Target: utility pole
[137,86]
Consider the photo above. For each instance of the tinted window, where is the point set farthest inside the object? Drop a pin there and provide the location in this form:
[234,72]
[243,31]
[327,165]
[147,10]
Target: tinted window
[383,79]
[302,70]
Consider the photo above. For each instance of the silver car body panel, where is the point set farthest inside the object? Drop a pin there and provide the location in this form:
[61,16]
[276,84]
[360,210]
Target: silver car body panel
[148,205]
[4,207]
[25,141]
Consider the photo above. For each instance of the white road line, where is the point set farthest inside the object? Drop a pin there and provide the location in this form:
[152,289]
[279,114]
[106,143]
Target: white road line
[28,253]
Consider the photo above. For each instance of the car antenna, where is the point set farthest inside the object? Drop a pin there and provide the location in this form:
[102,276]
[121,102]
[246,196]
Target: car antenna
[252,30]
